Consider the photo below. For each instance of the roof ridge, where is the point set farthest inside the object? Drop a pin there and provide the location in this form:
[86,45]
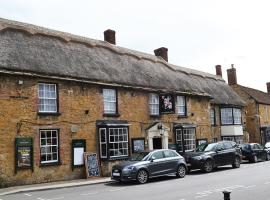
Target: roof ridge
[93,43]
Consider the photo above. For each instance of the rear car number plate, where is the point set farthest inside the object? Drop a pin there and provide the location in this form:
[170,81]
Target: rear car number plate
[115,174]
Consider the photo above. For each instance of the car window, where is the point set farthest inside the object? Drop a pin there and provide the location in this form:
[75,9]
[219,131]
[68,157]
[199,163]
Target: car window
[227,145]
[267,145]
[210,147]
[169,154]
[157,155]
[246,147]
[260,146]
[254,146]
[220,146]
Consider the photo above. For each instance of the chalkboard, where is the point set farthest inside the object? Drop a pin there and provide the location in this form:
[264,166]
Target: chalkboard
[91,164]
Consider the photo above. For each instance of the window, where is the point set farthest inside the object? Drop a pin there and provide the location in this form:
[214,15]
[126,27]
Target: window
[113,142]
[230,116]
[154,104]
[47,98]
[157,155]
[110,101]
[186,138]
[49,141]
[213,116]
[181,105]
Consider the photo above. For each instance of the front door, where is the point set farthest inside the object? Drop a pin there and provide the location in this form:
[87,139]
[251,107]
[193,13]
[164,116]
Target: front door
[157,143]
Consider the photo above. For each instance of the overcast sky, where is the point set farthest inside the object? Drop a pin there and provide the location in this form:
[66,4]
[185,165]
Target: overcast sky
[199,34]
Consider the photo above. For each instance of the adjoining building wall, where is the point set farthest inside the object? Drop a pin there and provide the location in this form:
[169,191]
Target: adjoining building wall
[80,106]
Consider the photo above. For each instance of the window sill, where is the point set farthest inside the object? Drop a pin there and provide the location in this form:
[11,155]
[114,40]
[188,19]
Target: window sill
[111,115]
[155,116]
[182,116]
[48,114]
[50,164]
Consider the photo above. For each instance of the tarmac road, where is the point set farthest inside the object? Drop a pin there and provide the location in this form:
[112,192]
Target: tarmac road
[249,182]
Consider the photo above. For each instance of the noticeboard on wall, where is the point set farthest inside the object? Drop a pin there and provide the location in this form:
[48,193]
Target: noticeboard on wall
[138,145]
[23,153]
[78,149]
[91,164]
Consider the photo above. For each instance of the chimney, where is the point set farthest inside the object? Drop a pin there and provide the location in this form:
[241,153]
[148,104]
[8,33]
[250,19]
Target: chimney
[109,36]
[218,70]
[162,52]
[232,79]
[268,87]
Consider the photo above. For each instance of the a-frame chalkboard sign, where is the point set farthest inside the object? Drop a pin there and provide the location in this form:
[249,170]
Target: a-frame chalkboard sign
[91,164]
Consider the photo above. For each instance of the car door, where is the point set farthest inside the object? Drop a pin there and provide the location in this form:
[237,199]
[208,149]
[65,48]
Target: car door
[262,152]
[171,162]
[219,158]
[229,153]
[255,150]
[156,165]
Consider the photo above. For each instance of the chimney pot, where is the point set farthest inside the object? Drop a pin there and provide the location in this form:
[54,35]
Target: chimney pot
[232,78]
[109,36]
[218,70]
[268,87]
[162,52]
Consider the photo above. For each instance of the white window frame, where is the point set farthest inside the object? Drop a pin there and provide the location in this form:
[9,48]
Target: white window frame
[230,116]
[181,107]
[49,147]
[213,116]
[154,104]
[186,138]
[109,101]
[44,98]
[118,142]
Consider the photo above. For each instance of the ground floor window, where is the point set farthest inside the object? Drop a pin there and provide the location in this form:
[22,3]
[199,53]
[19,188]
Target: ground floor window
[113,142]
[49,143]
[186,139]
[237,139]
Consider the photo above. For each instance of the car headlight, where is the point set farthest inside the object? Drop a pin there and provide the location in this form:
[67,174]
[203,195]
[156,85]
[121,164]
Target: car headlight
[198,157]
[129,168]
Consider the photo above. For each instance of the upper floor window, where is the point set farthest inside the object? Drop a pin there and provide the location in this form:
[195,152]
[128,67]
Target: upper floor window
[181,106]
[110,101]
[230,116]
[154,104]
[213,116]
[47,98]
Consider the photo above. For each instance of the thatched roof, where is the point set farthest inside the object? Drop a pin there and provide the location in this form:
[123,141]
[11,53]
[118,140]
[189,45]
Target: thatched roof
[38,51]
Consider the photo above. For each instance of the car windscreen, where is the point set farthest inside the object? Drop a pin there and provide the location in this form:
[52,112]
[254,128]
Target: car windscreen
[206,147]
[139,156]
[245,147]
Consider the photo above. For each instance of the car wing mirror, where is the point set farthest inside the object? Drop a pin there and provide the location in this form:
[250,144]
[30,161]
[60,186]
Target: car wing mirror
[152,159]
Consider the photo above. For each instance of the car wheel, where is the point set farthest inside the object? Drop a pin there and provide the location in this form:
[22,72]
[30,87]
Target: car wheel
[142,176]
[181,171]
[236,162]
[208,166]
[267,157]
[255,159]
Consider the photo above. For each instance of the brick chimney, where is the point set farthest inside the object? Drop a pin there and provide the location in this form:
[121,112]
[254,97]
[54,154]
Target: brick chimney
[162,52]
[218,70]
[268,87]
[232,79]
[109,36]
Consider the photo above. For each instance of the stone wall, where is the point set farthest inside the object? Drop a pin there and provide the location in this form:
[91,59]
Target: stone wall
[80,105]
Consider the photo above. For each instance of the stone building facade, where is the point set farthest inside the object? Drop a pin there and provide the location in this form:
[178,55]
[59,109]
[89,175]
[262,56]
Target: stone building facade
[257,109]
[59,91]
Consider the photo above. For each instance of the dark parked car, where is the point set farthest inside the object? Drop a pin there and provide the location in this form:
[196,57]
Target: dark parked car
[254,152]
[146,165]
[209,156]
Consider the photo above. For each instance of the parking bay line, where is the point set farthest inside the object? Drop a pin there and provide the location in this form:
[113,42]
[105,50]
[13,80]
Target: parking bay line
[115,190]
[91,193]
[29,195]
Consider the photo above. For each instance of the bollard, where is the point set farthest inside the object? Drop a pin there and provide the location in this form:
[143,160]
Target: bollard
[226,195]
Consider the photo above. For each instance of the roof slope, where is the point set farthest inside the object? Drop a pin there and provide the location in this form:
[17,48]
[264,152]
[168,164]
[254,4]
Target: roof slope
[41,51]
[259,96]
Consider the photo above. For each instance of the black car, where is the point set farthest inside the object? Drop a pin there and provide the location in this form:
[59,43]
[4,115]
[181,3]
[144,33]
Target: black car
[254,152]
[209,156]
[146,165]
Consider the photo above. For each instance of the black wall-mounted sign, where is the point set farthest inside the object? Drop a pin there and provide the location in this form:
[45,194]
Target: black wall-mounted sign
[166,102]
[91,164]
[23,153]
[78,149]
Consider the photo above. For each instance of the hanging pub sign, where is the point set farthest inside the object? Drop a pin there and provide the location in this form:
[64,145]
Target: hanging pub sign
[23,153]
[78,149]
[166,103]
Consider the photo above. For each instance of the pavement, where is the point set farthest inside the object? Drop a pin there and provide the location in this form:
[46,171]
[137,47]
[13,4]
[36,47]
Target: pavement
[54,185]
